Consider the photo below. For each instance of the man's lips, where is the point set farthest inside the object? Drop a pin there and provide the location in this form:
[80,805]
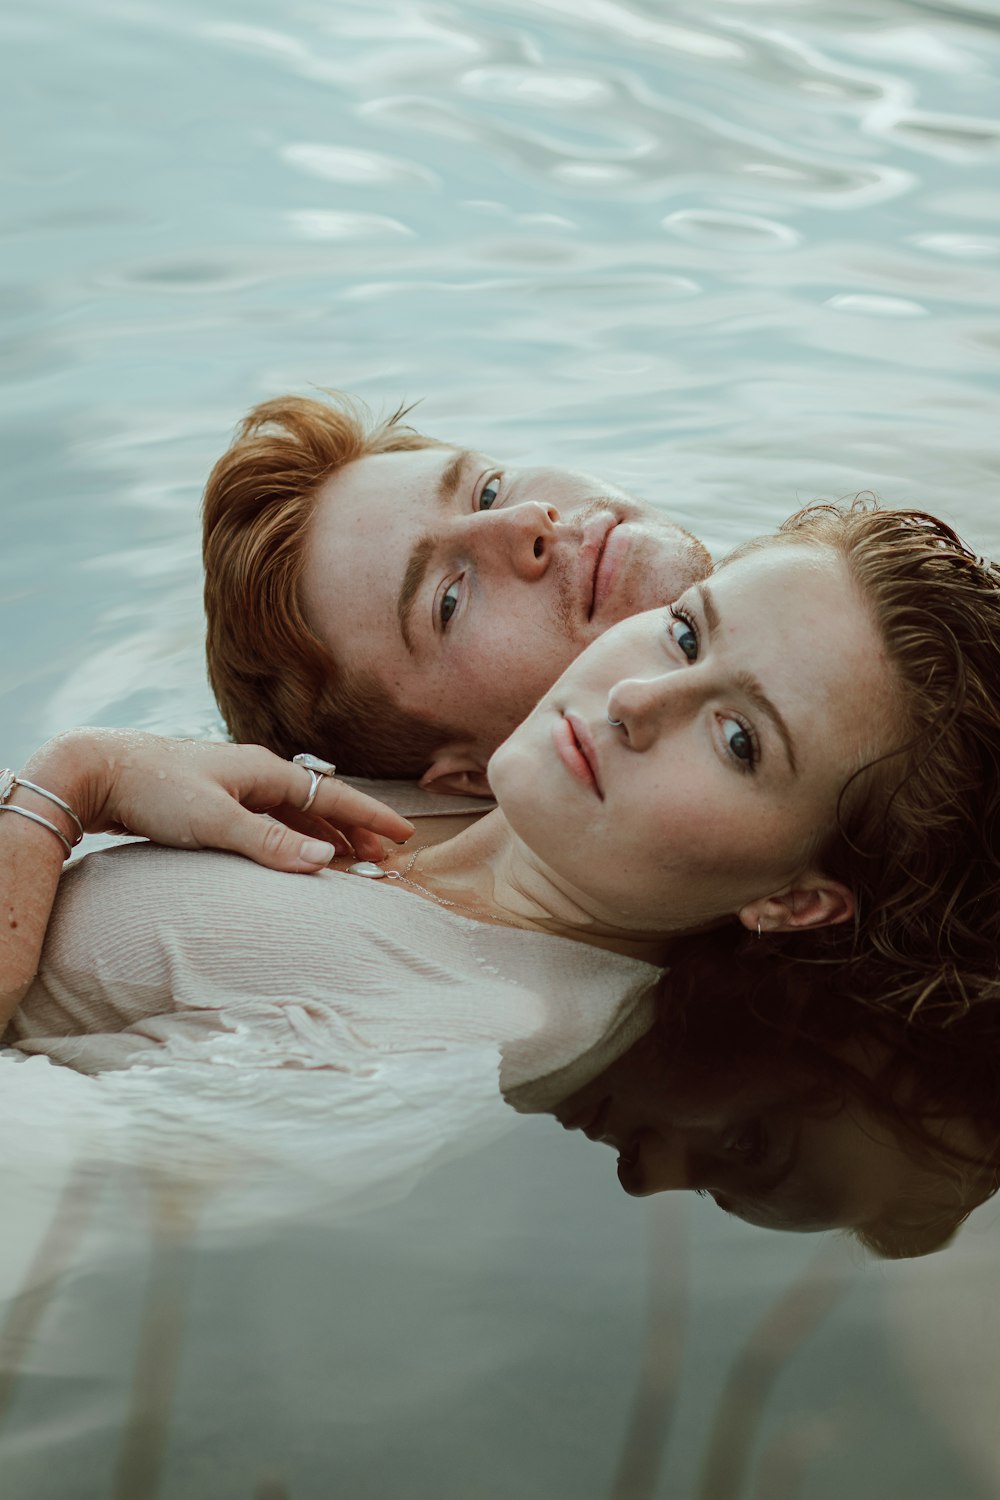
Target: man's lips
[575,747]
[594,581]
[607,576]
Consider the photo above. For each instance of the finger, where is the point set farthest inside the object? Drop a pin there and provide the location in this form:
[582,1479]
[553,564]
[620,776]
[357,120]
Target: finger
[265,840]
[359,842]
[354,812]
[313,827]
[366,845]
[264,781]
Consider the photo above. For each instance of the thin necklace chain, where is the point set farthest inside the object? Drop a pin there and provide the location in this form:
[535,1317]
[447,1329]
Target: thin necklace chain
[403,877]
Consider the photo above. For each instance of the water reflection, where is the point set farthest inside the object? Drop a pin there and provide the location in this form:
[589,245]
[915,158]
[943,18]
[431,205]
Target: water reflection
[796,1116]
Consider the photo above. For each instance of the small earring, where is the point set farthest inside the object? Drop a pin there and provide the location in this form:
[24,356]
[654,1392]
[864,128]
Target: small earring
[758,928]
[615,723]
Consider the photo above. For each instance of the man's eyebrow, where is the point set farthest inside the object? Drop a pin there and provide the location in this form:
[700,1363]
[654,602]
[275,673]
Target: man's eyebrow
[413,577]
[423,549]
[451,477]
[750,685]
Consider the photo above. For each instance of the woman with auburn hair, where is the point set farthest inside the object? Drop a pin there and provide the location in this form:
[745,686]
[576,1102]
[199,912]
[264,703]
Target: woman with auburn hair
[921,854]
[805,746]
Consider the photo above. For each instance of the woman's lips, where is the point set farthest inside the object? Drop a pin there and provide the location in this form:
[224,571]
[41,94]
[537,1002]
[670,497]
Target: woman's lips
[594,1127]
[593,1120]
[575,748]
[629,1173]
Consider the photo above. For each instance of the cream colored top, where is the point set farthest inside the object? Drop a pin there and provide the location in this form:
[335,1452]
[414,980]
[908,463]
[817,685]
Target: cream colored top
[157,954]
[288,1042]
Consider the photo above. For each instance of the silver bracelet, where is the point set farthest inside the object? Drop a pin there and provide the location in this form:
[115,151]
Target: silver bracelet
[8,781]
[25,812]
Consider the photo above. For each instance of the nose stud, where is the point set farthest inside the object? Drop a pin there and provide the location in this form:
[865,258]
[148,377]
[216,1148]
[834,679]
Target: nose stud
[615,723]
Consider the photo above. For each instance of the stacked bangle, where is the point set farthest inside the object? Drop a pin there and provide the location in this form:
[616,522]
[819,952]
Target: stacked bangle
[8,781]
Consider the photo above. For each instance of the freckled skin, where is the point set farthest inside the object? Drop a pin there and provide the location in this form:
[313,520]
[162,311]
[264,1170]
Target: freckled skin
[519,571]
[682,829]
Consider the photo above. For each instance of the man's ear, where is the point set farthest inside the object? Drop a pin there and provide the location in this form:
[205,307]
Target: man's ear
[812,900]
[458,771]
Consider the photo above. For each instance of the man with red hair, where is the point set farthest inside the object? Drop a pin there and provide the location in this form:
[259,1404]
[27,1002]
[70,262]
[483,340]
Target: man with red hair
[399,604]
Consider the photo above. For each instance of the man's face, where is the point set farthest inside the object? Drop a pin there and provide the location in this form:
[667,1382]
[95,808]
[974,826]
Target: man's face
[465,587]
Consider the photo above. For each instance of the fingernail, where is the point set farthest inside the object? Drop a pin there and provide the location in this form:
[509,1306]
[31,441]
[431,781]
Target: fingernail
[315,852]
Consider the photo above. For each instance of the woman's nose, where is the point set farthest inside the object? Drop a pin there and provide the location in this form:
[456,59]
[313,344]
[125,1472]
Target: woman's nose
[642,706]
[664,1164]
[519,538]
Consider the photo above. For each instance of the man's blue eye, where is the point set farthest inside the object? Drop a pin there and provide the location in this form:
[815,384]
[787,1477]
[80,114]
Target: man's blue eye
[489,493]
[739,742]
[685,635]
[449,603]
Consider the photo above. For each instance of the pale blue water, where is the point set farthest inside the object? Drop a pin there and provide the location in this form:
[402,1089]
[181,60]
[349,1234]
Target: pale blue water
[734,255]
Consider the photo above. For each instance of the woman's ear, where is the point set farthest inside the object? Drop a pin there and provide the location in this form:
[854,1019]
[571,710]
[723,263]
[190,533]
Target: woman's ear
[813,900]
[457,771]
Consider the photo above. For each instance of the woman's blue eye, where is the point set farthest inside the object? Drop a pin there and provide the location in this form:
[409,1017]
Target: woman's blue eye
[489,493]
[739,741]
[684,634]
[749,1143]
[449,603]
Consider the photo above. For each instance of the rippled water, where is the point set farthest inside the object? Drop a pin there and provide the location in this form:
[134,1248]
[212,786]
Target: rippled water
[733,255]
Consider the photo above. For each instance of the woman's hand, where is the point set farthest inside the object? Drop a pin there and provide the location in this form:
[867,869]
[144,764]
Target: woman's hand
[194,794]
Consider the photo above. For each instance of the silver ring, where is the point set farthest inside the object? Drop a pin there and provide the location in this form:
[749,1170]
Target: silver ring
[615,723]
[315,768]
[314,781]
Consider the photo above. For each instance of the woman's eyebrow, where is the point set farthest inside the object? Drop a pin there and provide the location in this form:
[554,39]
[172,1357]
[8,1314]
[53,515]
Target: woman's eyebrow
[749,684]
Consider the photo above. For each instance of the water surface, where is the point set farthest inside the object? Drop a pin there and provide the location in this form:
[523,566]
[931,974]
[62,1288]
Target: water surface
[734,256]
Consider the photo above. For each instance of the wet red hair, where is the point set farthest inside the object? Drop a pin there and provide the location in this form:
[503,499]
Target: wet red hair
[276,683]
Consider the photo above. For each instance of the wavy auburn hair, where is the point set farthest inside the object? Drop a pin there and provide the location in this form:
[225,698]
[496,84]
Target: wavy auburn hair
[918,835]
[276,683]
[731,1005]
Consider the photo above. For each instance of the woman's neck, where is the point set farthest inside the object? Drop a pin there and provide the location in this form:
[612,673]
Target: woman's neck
[487,873]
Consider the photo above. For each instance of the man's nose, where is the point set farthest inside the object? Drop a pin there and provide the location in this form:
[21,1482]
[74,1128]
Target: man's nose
[518,537]
[642,706]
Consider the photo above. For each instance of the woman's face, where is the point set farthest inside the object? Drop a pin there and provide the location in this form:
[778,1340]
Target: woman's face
[758,1139]
[744,708]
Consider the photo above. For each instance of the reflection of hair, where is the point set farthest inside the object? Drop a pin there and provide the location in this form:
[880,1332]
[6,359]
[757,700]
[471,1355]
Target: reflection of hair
[919,831]
[730,1005]
[276,683]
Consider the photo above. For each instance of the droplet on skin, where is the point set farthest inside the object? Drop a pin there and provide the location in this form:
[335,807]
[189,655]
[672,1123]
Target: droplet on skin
[161,775]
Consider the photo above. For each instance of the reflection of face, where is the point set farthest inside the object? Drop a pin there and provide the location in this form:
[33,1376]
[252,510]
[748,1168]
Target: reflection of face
[758,1141]
[465,588]
[744,711]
